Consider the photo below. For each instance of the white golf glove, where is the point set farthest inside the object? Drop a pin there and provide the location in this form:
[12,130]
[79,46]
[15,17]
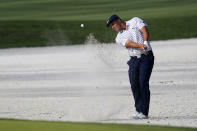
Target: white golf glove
[147,44]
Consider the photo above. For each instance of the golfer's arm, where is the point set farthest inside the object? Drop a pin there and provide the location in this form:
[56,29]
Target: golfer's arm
[145,33]
[130,44]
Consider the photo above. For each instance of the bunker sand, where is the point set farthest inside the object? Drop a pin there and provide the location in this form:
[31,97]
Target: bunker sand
[90,83]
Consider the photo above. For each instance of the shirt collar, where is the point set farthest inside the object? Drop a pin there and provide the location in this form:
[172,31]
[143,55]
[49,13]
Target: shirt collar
[127,25]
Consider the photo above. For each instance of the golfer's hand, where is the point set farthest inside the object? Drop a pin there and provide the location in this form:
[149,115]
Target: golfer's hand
[142,47]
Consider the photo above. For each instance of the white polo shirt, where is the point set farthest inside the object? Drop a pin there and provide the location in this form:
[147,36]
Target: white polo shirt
[133,34]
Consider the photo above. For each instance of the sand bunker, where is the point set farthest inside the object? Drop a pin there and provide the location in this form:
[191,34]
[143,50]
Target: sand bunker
[90,83]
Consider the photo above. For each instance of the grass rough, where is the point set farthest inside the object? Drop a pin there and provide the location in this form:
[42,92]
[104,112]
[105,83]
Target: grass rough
[24,125]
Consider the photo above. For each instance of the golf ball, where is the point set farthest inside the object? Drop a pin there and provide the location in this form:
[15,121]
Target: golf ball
[82,25]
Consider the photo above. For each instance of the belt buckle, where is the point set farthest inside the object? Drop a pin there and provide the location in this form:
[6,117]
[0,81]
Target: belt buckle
[145,52]
[139,56]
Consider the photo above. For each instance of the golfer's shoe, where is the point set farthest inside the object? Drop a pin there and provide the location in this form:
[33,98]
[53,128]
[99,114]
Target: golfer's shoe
[135,115]
[140,116]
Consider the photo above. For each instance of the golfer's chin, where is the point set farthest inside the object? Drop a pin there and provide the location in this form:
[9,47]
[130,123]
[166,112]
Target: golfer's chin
[117,30]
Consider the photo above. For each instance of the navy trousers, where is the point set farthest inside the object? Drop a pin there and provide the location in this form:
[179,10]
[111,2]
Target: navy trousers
[140,70]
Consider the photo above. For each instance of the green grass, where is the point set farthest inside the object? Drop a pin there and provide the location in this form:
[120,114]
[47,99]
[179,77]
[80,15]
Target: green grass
[29,23]
[22,125]
[94,9]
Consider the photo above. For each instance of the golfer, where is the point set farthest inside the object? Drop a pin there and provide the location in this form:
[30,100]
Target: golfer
[133,35]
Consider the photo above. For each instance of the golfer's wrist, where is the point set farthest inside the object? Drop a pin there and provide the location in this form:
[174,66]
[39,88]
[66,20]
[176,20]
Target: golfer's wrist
[140,45]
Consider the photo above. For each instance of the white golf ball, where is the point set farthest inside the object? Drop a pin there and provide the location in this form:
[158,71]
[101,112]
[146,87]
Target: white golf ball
[82,25]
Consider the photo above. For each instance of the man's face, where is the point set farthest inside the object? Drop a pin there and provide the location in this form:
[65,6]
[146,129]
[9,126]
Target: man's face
[116,25]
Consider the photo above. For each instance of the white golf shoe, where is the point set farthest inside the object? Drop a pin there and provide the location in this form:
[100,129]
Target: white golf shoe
[139,116]
[135,115]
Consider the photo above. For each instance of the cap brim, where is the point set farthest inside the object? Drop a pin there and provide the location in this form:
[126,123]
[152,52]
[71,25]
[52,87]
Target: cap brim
[108,24]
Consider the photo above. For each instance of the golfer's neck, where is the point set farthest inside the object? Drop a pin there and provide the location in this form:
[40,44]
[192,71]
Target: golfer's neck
[123,25]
